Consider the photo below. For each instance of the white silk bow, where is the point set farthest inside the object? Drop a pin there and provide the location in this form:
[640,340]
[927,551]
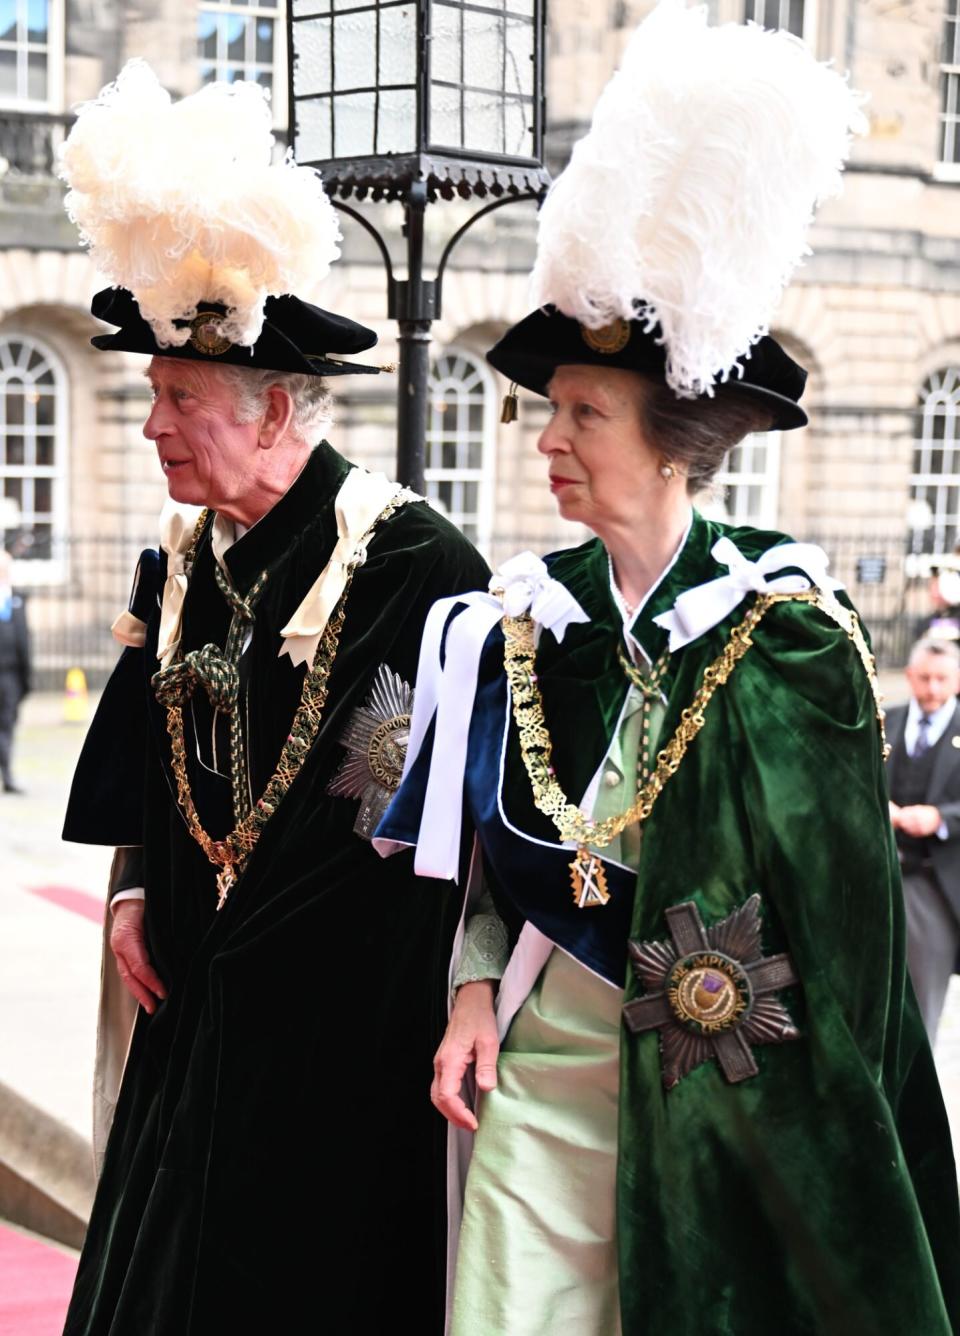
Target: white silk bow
[361,498]
[699,609]
[446,691]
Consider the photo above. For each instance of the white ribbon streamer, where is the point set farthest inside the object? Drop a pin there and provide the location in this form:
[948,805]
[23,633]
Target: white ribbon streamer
[447,691]
[177,525]
[360,500]
[698,610]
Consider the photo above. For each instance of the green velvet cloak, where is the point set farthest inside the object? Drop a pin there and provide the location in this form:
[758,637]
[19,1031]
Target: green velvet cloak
[818,1198]
[275,1164]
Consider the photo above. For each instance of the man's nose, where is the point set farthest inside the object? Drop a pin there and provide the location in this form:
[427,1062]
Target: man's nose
[155,424]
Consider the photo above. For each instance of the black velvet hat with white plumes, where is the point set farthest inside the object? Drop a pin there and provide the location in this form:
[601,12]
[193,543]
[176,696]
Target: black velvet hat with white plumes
[296,336]
[530,352]
[665,245]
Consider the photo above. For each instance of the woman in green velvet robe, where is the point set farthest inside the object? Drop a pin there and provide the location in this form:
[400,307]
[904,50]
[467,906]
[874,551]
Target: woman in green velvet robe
[706,1102]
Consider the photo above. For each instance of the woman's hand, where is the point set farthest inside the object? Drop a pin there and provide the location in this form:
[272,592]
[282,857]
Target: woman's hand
[471,1038]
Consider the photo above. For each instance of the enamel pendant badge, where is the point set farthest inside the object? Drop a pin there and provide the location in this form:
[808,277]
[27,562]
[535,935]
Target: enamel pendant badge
[589,880]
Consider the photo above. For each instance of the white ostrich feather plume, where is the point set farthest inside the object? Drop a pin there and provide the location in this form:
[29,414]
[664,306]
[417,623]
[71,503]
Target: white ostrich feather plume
[180,203]
[709,150]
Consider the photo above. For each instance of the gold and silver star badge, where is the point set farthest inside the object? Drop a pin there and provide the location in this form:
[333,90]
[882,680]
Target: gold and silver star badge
[376,738]
[709,991]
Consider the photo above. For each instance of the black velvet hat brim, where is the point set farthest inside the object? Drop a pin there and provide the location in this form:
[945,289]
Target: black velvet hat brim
[530,352]
[293,334]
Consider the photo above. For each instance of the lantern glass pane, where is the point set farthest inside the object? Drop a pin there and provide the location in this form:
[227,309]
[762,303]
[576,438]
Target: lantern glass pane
[398,45]
[397,123]
[483,122]
[519,71]
[352,4]
[482,49]
[355,50]
[445,43]
[308,7]
[311,61]
[445,116]
[353,120]
[314,143]
[524,7]
[518,128]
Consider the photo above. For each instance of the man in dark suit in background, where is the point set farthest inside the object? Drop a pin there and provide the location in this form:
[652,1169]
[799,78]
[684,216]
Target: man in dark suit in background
[924,778]
[14,667]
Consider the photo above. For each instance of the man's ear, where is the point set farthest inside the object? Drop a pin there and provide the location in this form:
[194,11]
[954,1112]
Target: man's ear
[276,418]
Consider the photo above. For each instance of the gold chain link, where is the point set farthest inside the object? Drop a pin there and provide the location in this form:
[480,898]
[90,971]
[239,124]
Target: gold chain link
[536,746]
[231,853]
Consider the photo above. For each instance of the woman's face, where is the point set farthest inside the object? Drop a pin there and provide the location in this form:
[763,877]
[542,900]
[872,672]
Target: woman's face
[602,470]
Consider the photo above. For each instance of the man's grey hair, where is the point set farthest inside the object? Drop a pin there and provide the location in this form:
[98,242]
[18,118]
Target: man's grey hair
[946,649]
[312,401]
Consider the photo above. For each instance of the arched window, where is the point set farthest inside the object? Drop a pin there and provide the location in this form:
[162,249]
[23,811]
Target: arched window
[460,440]
[935,481]
[33,416]
[750,479]
[792,15]
[950,90]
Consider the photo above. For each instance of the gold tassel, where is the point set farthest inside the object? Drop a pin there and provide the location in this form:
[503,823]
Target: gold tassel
[508,412]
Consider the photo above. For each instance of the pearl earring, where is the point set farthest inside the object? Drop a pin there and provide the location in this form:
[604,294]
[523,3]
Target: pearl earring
[666,472]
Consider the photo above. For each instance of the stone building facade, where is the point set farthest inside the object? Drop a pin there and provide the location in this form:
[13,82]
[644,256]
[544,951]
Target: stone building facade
[874,313]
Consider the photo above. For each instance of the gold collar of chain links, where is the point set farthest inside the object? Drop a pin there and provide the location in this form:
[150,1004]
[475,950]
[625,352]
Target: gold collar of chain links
[589,882]
[231,853]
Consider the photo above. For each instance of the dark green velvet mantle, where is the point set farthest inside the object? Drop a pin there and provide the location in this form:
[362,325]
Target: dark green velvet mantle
[818,1198]
[275,1164]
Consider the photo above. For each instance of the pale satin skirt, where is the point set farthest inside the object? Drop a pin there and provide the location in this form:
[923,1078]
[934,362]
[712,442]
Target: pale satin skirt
[537,1250]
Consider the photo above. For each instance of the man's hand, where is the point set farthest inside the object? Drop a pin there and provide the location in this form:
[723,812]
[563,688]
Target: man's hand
[471,1038]
[919,821]
[895,811]
[128,946]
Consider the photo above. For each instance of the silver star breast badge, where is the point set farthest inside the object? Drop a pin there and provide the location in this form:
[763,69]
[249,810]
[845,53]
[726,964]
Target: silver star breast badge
[709,991]
[376,738]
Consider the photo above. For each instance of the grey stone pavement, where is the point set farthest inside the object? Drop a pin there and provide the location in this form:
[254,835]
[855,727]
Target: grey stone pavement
[50,896]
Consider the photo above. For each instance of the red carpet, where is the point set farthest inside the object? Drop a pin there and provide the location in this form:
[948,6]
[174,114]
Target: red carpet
[35,1284]
[79,902]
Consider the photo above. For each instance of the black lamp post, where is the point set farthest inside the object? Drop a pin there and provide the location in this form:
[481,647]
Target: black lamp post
[418,101]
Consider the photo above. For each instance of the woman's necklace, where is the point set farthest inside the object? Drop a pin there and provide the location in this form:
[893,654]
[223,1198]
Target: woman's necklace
[174,685]
[586,870]
[649,688]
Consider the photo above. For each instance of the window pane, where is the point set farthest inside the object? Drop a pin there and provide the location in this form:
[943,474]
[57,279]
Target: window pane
[13,489]
[264,47]
[43,496]
[206,36]
[37,76]
[8,74]
[14,407]
[45,408]
[45,451]
[8,21]
[37,20]
[15,450]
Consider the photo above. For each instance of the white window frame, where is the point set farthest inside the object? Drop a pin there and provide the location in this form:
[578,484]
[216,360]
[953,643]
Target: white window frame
[948,169]
[480,379]
[275,11]
[940,394]
[809,33]
[55,46]
[52,569]
[735,508]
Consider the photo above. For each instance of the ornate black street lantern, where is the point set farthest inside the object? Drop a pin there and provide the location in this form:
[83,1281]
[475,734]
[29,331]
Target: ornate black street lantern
[418,101]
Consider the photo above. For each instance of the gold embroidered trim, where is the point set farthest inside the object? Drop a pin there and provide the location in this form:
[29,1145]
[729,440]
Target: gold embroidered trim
[536,746]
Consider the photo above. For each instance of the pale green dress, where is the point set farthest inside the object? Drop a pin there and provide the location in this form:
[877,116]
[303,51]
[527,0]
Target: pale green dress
[537,1253]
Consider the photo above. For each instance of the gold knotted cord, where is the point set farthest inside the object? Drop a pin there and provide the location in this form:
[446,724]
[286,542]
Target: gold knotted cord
[536,748]
[231,853]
